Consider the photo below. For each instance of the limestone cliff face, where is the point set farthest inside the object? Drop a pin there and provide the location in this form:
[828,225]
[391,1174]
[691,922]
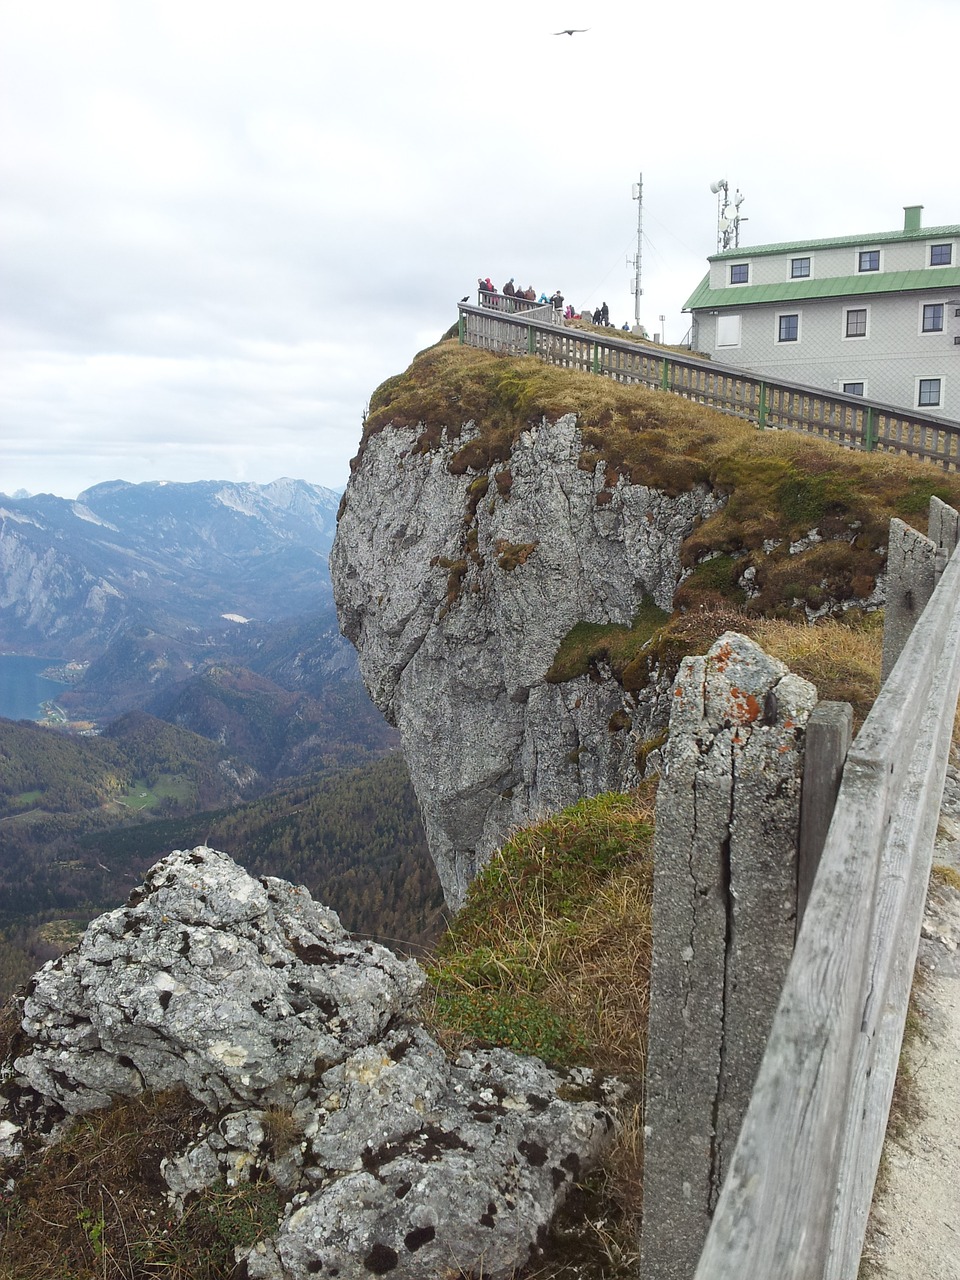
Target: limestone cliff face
[457,591]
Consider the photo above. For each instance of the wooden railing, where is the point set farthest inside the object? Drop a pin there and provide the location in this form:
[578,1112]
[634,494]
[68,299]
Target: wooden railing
[797,1194]
[848,420]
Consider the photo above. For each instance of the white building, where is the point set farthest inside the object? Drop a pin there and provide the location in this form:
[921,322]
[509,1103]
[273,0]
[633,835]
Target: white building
[875,315]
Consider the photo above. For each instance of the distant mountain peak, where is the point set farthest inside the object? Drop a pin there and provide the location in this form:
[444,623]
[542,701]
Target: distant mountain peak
[173,555]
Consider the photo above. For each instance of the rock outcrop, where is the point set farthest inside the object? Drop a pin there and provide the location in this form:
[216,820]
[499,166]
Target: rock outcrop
[457,591]
[251,997]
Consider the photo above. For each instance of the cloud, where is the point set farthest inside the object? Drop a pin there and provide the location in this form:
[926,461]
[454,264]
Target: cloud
[225,224]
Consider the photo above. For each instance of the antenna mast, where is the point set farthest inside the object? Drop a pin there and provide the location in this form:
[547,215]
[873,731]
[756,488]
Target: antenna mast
[637,260]
[728,215]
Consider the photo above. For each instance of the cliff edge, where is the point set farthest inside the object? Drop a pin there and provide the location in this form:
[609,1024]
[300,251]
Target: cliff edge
[502,512]
[458,620]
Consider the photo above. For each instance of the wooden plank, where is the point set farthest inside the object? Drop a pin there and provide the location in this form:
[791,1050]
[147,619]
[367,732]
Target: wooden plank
[775,1216]
[788,1150]
[895,934]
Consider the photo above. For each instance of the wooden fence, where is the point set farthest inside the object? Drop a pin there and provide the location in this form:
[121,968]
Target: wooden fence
[795,1201]
[848,420]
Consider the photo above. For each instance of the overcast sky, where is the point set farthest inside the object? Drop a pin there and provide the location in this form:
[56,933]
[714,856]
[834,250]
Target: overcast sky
[224,224]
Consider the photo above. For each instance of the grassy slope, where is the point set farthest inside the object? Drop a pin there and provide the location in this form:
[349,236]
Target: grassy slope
[779,485]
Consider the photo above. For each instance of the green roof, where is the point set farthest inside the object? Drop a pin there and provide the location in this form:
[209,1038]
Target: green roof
[839,242]
[922,281]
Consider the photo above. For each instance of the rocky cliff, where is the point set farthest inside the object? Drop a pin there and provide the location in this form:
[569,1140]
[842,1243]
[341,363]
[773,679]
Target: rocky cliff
[502,512]
[458,591]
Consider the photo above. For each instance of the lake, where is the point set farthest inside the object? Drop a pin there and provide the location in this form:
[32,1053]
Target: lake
[23,688]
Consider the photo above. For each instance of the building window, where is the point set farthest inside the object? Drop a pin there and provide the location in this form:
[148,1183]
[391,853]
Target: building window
[799,268]
[740,273]
[853,388]
[788,328]
[869,260]
[728,331]
[856,326]
[932,318]
[941,255]
[928,392]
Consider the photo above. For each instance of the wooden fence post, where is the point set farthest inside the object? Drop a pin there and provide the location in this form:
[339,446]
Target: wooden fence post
[829,732]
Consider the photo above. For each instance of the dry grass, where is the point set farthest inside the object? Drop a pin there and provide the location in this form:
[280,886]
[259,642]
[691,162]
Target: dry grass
[666,440]
[77,1204]
[840,656]
[945,877]
[93,1207]
[551,953]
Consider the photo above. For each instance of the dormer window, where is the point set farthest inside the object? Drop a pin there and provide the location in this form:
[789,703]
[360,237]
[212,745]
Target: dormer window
[740,273]
[799,268]
[869,260]
[941,255]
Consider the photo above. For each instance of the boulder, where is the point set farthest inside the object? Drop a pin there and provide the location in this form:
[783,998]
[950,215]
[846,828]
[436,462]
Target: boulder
[305,1048]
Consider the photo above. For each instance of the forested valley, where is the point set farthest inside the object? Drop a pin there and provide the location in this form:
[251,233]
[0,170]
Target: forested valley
[81,820]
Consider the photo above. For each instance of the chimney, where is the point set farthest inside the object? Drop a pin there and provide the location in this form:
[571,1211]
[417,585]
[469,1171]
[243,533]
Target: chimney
[911,217]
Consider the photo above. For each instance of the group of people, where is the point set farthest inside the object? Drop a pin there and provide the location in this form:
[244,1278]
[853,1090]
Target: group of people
[520,299]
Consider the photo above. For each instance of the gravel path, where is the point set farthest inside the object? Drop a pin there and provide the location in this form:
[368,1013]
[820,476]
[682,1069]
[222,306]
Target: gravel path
[914,1229]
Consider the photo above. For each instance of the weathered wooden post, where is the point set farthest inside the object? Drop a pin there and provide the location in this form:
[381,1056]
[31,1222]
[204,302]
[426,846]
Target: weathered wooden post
[829,733]
[725,868]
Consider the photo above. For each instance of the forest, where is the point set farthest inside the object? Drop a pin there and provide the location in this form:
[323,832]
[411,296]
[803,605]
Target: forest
[81,820]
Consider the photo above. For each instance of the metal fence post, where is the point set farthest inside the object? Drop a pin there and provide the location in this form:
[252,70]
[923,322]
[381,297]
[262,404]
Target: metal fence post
[869,430]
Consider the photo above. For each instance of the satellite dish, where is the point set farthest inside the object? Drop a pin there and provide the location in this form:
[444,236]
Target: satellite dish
[724,224]
[718,185]
[729,213]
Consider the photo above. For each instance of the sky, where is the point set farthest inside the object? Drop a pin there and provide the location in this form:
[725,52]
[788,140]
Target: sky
[223,225]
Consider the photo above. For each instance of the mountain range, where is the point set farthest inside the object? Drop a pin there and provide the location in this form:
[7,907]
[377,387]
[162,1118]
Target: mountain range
[205,604]
[178,559]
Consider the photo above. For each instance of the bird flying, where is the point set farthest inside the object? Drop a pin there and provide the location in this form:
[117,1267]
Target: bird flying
[571,31]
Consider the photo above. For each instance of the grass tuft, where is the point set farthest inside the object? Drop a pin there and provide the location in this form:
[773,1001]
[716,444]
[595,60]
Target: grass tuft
[588,643]
[93,1207]
[553,942]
